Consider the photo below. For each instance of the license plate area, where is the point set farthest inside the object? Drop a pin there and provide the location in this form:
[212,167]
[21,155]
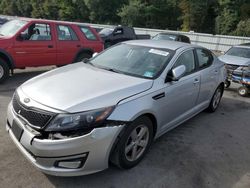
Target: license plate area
[17,130]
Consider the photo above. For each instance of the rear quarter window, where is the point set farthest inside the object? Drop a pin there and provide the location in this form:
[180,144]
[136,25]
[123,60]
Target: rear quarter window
[205,58]
[87,33]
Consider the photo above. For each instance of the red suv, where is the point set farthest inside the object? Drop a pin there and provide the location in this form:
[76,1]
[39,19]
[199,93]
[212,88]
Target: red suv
[35,42]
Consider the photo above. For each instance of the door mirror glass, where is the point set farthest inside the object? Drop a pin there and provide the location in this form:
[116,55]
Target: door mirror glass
[176,73]
[94,54]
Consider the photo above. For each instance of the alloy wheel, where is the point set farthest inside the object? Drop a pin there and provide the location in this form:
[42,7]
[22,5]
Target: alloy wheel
[137,143]
[216,99]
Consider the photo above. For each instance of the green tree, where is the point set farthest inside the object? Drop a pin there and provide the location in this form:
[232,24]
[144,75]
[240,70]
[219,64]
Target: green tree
[104,11]
[73,10]
[133,14]
[243,28]
[229,15]
[198,15]
[9,7]
[37,9]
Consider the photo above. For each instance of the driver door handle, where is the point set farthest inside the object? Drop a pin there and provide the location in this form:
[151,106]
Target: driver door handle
[196,81]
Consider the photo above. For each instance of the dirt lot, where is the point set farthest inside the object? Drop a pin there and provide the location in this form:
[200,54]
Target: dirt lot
[210,150]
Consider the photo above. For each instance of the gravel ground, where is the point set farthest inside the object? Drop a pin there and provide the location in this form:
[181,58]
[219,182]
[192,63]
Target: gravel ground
[208,151]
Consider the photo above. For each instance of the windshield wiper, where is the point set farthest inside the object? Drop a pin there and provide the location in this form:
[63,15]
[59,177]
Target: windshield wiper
[113,70]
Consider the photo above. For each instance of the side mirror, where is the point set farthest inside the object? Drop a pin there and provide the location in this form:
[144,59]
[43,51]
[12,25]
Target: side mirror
[22,36]
[94,54]
[176,73]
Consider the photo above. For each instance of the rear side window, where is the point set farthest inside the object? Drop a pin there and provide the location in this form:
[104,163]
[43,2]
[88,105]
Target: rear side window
[88,33]
[186,59]
[205,58]
[66,33]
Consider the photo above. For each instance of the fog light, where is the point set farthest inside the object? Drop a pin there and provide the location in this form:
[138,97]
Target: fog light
[69,164]
[72,163]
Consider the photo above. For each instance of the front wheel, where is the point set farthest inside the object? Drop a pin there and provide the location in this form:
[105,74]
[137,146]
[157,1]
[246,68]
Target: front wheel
[134,143]
[214,103]
[243,91]
[4,70]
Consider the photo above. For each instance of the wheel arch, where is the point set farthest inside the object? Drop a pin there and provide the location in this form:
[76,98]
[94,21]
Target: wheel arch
[152,118]
[83,50]
[7,57]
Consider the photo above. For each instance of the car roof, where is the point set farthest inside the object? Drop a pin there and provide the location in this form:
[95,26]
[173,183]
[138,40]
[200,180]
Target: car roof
[172,45]
[52,21]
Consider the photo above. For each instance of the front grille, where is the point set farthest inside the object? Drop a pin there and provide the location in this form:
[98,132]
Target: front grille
[34,117]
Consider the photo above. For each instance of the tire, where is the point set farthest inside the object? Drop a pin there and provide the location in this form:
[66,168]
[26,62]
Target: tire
[227,84]
[243,91]
[215,101]
[136,145]
[4,70]
[82,56]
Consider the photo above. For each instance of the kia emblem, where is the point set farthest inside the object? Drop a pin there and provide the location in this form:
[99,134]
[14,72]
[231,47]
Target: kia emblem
[26,100]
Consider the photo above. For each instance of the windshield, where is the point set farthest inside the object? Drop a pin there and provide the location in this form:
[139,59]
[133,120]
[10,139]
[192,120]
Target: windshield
[164,37]
[106,31]
[139,61]
[12,27]
[240,52]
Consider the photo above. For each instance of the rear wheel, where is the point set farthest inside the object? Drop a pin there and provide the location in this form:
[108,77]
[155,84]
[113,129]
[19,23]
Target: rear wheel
[4,70]
[134,143]
[243,91]
[214,104]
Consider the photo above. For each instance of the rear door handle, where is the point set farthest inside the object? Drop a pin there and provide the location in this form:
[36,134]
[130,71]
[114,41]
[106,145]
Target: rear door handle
[50,46]
[78,46]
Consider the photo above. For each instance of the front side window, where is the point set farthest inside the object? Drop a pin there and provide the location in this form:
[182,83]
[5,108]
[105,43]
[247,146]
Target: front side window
[88,33]
[240,52]
[186,59]
[65,33]
[139,61]
[37,32]
[12,27]
[205,58]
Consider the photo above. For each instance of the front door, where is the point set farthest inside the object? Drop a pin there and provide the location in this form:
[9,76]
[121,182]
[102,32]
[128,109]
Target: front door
[180,96]
[37,47]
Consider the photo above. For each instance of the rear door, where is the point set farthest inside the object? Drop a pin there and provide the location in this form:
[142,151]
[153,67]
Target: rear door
[90,39]
[37,47]
[209,74]
[68,44]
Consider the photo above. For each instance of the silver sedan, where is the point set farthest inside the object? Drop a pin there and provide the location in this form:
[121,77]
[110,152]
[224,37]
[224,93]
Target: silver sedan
[76,119]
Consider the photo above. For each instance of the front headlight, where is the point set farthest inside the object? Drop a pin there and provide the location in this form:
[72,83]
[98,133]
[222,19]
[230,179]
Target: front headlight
[84,120]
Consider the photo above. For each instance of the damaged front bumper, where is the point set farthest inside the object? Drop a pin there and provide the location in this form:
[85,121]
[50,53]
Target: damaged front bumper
[75,156]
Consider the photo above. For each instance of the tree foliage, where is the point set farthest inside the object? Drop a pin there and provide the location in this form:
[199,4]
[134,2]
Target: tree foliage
[209,16]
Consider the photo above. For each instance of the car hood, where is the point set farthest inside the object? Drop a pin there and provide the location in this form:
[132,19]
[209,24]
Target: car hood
[235,60]
[81,87]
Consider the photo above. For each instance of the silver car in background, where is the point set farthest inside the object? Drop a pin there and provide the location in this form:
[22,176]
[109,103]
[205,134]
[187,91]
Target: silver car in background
[76,119]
